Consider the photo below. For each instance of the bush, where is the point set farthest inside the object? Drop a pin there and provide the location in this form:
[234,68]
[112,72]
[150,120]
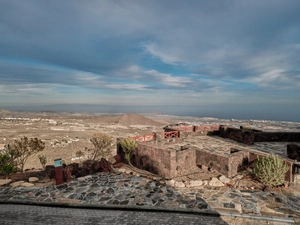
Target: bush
[128,145]
[22,149]
[102,147]
[6,164]
[270,170]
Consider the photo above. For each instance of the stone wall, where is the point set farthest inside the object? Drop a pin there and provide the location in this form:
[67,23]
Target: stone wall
[166,162]
[228,165]
[277,136]
[248,136]
[293,152]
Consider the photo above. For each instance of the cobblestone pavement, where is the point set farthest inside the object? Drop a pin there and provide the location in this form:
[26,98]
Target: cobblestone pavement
[127,191]
[28,214]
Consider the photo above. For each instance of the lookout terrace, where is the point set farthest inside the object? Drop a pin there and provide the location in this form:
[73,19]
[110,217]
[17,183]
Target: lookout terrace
[216,147]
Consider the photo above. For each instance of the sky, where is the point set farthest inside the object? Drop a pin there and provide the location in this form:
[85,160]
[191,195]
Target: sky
[225,59]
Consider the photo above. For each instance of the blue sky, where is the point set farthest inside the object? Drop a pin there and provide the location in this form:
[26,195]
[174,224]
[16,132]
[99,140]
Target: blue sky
[208,58]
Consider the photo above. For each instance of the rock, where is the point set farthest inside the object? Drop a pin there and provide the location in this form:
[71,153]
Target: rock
[205,182]
[203,167]
[4,181]
[33,179]
[26,184]
[215,182]
[85,177]
[122,170]
[74,167]
[238,207]
[224,179]
[67,173]
[179,184]
[194,183]
[170,182]
[17,184]
[105,165]
[238,177]
[156,178]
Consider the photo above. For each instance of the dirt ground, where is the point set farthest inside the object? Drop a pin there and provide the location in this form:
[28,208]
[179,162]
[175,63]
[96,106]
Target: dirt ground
[65,134]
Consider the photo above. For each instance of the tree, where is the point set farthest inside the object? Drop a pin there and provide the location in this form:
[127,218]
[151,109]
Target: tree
[102,145]
[128,146]
[22,149]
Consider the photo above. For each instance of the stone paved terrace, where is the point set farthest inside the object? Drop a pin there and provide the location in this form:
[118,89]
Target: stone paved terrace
[126,191]
[223,146]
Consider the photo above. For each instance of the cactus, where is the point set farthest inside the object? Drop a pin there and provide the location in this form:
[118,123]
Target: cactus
[128,145]
[270,170]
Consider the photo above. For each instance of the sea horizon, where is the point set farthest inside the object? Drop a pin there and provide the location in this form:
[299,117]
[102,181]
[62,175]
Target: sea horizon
[217,111]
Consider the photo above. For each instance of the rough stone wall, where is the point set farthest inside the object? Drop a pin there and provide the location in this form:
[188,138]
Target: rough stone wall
[250,136]
[277,136]
[213,161]
[185,159]
[155,160]
[237,162]
[293,152]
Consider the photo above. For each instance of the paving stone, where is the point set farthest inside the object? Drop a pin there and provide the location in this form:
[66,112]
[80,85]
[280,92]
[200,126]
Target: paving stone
[143,192]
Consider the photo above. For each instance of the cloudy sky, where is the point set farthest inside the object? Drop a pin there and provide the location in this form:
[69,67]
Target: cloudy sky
[209,58]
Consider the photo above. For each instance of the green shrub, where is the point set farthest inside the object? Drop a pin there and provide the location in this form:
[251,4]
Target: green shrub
[270,170]
[43,160]
[6,164]
[128,145]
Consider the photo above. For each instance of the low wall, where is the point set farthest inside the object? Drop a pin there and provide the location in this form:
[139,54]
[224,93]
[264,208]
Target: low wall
[165,162]
[277,136]
[293,152]
[248,136]
[228,165]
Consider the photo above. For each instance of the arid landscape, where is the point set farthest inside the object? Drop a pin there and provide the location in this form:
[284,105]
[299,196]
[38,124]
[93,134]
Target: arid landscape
[67,133]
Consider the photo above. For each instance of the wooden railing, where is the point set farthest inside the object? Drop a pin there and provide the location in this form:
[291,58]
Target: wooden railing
[170,134]
[144,138]
[184,128]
